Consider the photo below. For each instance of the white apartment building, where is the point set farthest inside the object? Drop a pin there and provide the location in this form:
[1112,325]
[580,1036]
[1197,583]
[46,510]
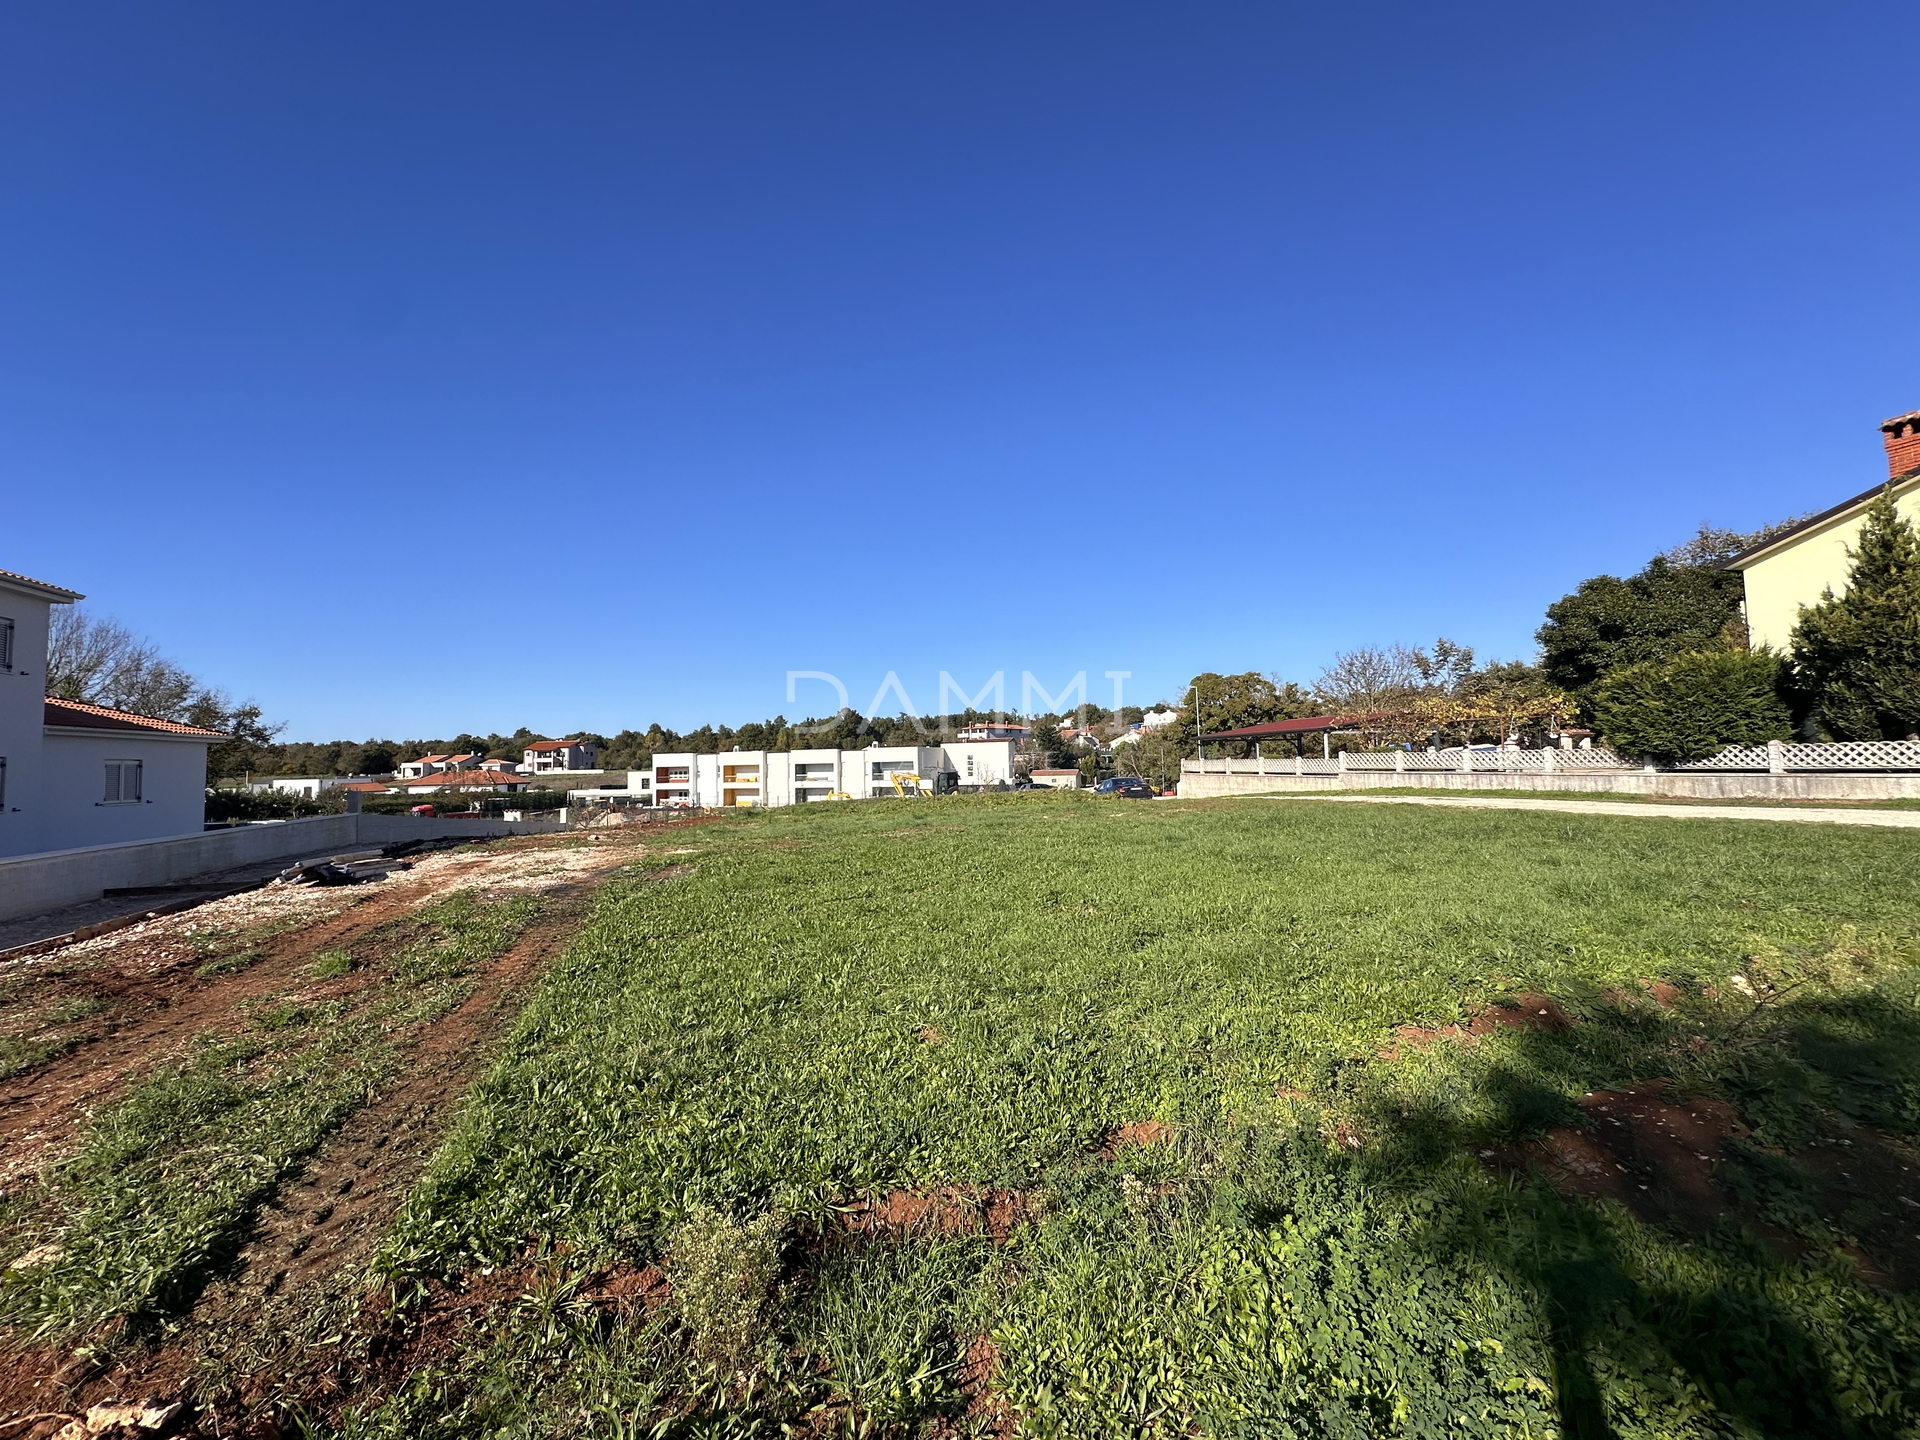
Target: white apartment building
[560,756]
[800,777]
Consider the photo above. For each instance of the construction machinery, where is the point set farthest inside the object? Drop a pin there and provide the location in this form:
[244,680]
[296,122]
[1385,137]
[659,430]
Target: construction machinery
[907,785]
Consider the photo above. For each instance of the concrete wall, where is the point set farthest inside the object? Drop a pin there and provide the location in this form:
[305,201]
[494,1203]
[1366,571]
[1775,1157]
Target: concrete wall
[31,884]
[1698,787]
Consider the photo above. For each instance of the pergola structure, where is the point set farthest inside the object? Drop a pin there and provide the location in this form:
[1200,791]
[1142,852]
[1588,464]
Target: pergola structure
[1296,730]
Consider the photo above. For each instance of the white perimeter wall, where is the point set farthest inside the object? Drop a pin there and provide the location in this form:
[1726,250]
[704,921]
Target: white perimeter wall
[33,884]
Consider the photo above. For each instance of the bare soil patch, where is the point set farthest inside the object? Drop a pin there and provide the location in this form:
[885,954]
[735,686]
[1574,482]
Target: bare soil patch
[979,1366]
[1133,1134]
[1659,1156]
[1526,1011]
[946,1210]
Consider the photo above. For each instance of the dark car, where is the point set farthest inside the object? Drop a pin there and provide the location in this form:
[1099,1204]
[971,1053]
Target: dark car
[1125,787]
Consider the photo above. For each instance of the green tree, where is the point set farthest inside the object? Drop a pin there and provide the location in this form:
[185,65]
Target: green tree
[1049,751]
[1856,657]
[1688,707]
[248,737]
[1664,611]
[1231,702]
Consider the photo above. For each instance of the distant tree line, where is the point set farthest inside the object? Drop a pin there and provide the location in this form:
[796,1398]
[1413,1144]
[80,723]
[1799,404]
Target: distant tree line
[635,749]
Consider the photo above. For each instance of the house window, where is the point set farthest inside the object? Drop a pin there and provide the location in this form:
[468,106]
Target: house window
[6,645]
[969,767]
[123,783]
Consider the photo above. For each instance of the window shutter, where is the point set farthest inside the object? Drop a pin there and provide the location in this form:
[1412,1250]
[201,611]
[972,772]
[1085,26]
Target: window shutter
[113,782]
[130,780]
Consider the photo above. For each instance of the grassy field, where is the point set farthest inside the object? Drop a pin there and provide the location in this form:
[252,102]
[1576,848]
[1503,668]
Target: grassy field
[758,1051]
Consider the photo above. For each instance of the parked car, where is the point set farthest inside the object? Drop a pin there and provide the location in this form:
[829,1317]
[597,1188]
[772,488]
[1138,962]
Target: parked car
[1125,787]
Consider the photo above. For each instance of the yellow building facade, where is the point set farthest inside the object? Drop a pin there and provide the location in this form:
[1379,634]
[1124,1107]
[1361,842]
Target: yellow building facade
[1795,569]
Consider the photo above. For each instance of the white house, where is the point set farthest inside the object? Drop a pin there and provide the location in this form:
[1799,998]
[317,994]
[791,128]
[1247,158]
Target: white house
[1152,720]
[436,764]
[995,730]
[799,777]
[73,774]
[552,756]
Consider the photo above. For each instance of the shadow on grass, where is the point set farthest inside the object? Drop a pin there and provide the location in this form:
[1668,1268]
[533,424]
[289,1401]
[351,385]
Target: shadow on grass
[1753,1280]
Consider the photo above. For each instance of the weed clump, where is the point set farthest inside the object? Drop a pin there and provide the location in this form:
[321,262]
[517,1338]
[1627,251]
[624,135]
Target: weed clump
[723,1272]
[331,964]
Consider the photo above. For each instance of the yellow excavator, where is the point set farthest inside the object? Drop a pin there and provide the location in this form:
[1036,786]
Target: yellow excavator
[909,786]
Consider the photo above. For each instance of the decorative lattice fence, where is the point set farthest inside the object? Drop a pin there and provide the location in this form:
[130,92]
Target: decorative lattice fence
[1778,758]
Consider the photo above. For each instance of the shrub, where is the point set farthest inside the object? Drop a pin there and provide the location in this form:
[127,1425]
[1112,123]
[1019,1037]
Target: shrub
[270,804]
[1857,657]
[1693,706]
[722,1274]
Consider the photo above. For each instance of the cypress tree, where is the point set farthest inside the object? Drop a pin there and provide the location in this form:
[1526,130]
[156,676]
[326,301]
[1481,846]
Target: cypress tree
[1856,657]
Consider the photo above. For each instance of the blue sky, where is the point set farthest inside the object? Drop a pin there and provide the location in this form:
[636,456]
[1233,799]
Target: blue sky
[436,368]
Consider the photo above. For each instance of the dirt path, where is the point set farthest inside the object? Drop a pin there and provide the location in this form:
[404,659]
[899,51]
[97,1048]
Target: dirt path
[325,1223]
[152,996]
[1894,819]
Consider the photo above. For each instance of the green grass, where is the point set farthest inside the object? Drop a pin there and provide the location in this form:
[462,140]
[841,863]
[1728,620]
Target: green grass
[158,1197]
[1316,1252]
[37,1031]
[330,964]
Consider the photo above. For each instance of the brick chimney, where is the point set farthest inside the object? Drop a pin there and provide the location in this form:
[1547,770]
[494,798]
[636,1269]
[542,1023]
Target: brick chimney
[1903,443]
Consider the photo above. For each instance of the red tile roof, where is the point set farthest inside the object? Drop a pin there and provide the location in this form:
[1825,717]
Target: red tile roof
[554,744]
[78,715]
[365,786]
[468,777]
[49,591]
